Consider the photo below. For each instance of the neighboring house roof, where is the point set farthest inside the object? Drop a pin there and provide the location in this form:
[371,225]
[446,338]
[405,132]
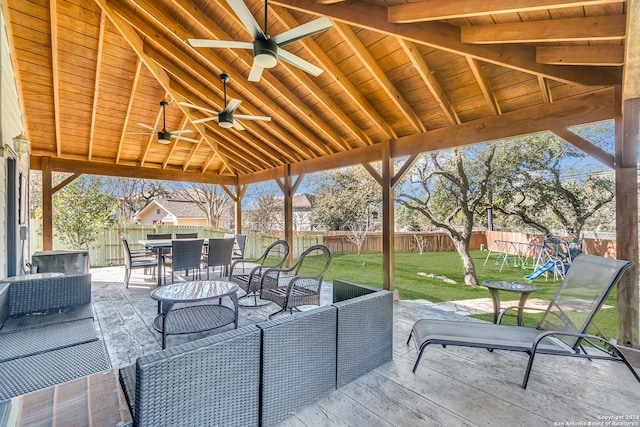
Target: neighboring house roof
[177,208]
[303,201]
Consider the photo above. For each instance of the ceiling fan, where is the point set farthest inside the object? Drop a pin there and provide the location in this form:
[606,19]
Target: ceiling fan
[164,136]
[226,118]
[267,49]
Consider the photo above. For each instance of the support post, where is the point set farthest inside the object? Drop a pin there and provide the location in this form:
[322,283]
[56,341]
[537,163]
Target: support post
[288,187]
[626,178]
[388,219]
[47,205]
[236,196]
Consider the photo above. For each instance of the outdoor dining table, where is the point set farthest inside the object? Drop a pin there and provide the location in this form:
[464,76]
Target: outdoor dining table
[158,246]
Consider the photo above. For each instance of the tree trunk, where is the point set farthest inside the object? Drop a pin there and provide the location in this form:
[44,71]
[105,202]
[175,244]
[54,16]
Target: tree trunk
[470,278]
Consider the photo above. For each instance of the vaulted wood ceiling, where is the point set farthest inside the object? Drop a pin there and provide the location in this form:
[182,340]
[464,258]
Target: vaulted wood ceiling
[426,75]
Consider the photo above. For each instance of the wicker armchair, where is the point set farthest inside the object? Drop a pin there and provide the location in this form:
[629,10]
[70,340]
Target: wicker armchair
[247,273]
[297,285]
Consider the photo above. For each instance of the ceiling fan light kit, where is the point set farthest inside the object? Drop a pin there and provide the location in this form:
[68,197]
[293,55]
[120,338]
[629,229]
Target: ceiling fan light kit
[265,53]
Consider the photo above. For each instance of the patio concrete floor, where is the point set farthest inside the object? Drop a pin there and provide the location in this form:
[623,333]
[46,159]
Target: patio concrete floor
[452,386]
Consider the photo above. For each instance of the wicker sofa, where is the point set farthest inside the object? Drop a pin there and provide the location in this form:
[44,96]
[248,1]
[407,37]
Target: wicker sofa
[260,374]
[47,335]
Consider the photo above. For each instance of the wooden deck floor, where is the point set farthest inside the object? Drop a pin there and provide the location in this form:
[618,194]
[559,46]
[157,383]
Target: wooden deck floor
[452,387]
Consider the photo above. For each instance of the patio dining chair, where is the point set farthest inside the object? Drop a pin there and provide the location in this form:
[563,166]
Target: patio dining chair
[135,260]
[186,255]
[247,273]
[186,235]
[219,255]
[240,241]
[561,331]
[299,284]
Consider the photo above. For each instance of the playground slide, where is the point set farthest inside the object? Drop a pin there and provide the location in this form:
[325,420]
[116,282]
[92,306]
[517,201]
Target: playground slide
[548,266]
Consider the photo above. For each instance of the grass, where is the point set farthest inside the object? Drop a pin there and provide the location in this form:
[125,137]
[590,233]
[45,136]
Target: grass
[367,269]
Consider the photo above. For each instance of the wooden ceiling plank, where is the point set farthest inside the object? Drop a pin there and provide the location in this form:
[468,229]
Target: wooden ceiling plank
[544,89]
[136,43]
[125,124]
[207,163]
[412,52]
[107,169]
[447,37]
[581,55]
[259,96]
[556,30]
[53,17]
[152,136]
[586,146]
[489,97]
[379,75]
[192,153]
[96,87]
[174,144]
[431,10]
[334,71]
[631,77]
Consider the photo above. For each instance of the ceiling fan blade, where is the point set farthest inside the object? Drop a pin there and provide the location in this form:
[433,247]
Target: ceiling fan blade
[305,30]
[230,44]
[232,105]
[197,107]
[237,125]
[148,127]
[204,120]
[247,18]
[247,117]
[256,73]
[296,61]
[184,138]
[178,132]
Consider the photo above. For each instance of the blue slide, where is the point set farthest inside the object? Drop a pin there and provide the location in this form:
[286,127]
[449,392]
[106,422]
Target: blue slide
[548,266]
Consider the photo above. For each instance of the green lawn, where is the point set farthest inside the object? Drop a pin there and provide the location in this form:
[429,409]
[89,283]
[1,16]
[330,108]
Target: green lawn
[367,269]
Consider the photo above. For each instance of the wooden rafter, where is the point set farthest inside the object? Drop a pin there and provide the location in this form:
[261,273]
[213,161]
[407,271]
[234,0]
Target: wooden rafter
[379,75]
[580,55]
[125,124]
[64,183]
[447,37]
[173,144]
[489,97]
[96,85]
[152,136]
[53,16]
[192,153]
[332,69]
[544,89]
[431,10]
[557,30]
[429,80]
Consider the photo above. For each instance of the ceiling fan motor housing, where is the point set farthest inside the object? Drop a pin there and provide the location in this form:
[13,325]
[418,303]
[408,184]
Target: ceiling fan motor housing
[265,52]
[225,119]
[164,137]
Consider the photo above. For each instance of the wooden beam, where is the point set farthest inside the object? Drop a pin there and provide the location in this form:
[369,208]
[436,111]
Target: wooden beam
[627,134]
[631,76]
[488,94]
[288,191]
[404,169]
[588,108]
[374,173]
[433,10]
[125,122]
[411,50]
[47,203]
[588,28]
[96,85]
[573,111]
[55,75]
[173,144]
[352,40]
[544,90]
[586,146]
[110,169]
[64,183]
[152,135]
[388,219]
[236,196]
[447,37]
[580,55]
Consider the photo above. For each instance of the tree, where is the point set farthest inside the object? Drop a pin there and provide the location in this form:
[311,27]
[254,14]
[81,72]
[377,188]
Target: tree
[82,209]
[135,193]
[535,185]
[209,198]
[357,233]
[265,214]
[452,185]
[345,196]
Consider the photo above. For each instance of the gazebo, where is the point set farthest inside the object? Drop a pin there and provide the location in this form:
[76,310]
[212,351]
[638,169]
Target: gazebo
[399,79]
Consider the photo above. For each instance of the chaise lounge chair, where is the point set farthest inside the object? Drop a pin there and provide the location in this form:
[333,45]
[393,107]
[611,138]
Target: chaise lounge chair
[562,330]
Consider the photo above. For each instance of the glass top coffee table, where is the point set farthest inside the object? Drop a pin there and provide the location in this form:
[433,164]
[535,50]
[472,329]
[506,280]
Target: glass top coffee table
[495,286]
[194,318]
